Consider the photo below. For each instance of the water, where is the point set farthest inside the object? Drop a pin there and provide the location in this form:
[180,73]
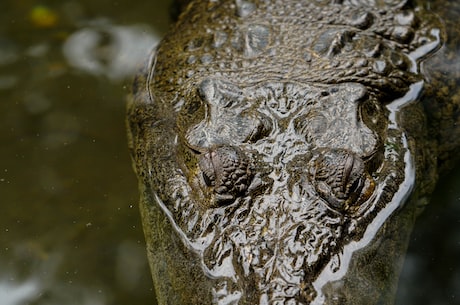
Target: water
[431,273]
[70,231]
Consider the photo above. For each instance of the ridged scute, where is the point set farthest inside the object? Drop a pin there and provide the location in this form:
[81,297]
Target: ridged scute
[369,42]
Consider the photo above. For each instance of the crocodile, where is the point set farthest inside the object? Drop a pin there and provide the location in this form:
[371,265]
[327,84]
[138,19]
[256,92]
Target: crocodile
[284,149]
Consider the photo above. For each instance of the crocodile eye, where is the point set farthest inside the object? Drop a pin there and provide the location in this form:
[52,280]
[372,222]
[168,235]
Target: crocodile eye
[226,170]
[340,178]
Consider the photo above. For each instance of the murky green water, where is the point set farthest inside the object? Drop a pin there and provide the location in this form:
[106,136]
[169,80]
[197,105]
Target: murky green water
[70,231]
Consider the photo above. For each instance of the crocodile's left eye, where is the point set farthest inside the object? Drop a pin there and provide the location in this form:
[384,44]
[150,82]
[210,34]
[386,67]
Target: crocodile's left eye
[340,178]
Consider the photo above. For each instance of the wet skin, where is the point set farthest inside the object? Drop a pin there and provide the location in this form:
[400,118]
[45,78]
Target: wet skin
[282,152]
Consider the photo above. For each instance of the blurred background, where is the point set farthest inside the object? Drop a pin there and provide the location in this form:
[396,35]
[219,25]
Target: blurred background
[70,230]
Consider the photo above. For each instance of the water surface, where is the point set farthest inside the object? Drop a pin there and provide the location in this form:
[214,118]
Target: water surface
[70,230]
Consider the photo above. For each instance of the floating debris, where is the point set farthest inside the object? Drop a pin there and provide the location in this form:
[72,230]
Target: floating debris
[43,17]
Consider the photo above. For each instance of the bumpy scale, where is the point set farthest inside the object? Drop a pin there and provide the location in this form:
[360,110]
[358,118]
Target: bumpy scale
[267,135]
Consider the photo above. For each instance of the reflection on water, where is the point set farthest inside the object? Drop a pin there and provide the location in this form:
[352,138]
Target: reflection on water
[19,294]
[70,231]
[36,277]
[105,49]
[43,287]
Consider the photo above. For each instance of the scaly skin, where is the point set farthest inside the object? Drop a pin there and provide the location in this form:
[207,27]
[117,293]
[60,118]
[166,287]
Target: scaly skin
[281,152]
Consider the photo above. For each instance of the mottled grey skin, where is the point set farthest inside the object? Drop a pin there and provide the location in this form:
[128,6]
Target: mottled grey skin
[283,151]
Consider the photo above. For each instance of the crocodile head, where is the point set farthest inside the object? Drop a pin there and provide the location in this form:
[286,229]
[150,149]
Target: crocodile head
[276,179]
[273,161]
